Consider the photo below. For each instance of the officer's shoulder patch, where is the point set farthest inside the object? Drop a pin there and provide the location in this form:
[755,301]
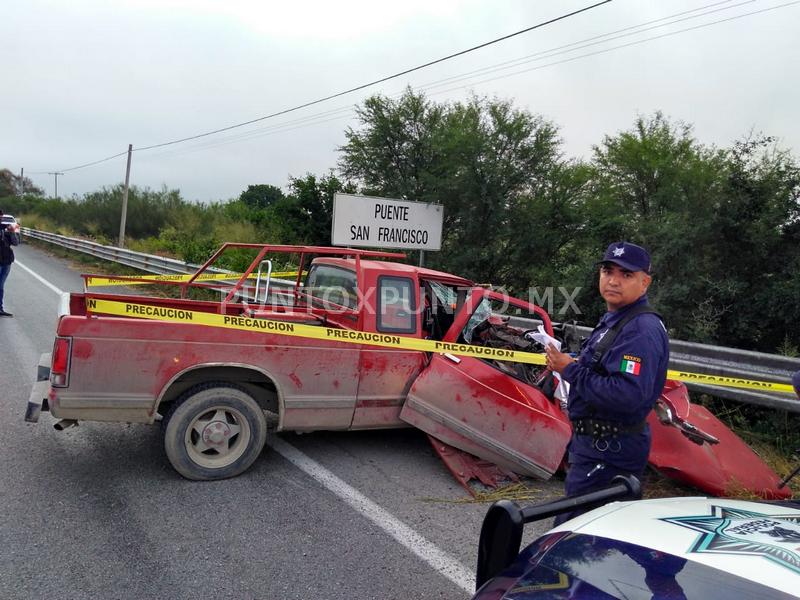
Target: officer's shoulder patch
[631,364]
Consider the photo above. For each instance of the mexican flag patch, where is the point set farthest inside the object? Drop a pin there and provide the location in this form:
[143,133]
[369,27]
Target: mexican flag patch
[631,364]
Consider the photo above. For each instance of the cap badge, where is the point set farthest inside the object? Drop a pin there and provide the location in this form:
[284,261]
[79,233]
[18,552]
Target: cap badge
[619,251]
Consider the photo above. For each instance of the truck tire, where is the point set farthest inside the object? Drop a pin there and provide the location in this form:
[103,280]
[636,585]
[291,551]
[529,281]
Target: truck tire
[214,431]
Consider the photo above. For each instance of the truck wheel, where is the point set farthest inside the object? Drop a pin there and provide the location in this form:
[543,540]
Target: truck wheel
[214,431]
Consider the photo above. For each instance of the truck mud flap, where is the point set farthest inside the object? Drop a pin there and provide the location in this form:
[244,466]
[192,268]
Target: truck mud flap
[37,400]
[468,404]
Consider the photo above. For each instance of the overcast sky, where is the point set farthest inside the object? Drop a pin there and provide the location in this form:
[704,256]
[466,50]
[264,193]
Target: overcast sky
[82,79]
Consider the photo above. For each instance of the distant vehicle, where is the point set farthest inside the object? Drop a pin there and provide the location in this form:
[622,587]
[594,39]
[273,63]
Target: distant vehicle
[670,548]
[13,225]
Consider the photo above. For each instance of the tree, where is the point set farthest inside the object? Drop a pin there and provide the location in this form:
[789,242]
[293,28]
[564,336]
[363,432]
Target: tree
[305,215]
[477,158]
[546,246]
[261,196]
[8,186]
[14,185]
[656,185]
[721,226]
[394,154]
[494,160]
[755,245]
[641,168]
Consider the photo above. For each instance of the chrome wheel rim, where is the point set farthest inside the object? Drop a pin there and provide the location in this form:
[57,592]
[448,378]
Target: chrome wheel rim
[217,437]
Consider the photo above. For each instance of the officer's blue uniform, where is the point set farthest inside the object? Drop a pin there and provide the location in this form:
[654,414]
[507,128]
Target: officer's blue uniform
[635,368]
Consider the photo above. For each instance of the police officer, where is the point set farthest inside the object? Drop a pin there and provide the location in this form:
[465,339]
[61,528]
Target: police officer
[616,379]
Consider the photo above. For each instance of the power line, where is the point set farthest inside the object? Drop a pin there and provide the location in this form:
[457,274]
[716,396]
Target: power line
[601,39]
[605,50]
[346,111]
[381,80]
[342,112]
[353,89]
[97,162]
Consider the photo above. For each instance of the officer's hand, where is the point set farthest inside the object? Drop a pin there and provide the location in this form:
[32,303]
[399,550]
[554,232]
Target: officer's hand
[557,361]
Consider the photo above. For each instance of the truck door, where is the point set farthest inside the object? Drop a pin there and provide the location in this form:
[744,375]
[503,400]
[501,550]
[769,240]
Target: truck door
[391,305]
[472,404]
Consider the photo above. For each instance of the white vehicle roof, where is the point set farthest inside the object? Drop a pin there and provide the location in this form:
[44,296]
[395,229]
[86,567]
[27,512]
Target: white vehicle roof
[755,540]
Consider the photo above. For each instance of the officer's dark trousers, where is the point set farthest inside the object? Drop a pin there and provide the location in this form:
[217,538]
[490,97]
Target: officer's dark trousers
[584,476]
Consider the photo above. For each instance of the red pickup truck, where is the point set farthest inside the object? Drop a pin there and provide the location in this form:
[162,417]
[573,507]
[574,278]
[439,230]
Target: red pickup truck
[219,390]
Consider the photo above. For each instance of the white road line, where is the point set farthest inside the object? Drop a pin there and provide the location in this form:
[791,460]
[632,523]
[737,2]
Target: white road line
[41,279]
[407,537]
[438,559]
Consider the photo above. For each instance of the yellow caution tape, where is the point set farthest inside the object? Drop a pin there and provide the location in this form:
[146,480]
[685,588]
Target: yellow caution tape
[384,340]
[735,382]
[145,279]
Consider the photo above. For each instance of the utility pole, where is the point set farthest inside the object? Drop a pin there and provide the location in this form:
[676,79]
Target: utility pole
[125,199]
[21,181]
[55,175]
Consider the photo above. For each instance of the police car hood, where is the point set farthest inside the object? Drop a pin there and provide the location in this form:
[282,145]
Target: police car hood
[758,541]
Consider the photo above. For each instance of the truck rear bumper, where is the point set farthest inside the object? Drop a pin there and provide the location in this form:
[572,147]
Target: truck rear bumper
[37,401]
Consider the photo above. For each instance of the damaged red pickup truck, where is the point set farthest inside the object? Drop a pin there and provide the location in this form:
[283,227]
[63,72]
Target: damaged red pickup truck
[219,390]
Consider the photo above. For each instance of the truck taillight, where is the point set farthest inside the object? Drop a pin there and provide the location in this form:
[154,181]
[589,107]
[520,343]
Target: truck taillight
[59,371]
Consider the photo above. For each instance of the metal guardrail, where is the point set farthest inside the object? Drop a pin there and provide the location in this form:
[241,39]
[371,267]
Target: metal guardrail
[685,356]
[138,260]
[150,263]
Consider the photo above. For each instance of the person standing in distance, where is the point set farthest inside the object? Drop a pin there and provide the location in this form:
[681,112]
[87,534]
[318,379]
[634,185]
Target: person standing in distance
[7,239]
[616,379]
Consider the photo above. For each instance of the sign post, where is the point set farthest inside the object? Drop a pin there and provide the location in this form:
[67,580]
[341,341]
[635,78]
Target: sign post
[365,221]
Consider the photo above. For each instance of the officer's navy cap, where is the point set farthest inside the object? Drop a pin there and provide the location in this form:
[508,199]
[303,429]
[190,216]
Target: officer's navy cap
[628,256]
[796,381]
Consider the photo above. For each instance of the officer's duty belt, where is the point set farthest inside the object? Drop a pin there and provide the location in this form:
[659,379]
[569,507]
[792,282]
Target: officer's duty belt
[600,429]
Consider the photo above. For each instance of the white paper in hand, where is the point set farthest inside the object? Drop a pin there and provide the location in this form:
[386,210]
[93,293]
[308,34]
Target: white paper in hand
[545,339]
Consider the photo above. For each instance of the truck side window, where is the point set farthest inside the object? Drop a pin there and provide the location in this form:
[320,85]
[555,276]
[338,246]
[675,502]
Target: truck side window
[332,285]
[397,310]
[440,307]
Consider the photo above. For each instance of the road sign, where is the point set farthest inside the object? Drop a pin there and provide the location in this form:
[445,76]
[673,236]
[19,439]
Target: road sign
[386,223]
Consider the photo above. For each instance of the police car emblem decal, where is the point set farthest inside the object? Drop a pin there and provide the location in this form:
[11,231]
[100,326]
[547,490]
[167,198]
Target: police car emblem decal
[734,531]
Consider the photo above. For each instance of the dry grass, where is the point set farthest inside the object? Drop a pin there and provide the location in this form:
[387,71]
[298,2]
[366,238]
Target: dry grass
[517,492]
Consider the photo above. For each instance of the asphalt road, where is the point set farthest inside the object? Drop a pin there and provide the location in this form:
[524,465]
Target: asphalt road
[96,511]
